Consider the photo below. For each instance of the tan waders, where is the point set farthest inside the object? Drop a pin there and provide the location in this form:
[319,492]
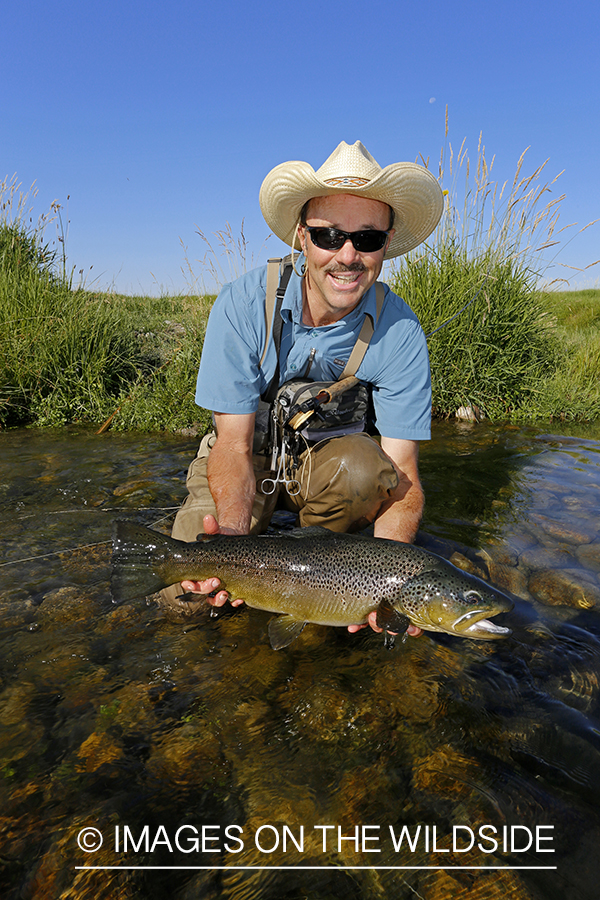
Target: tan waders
[344,481]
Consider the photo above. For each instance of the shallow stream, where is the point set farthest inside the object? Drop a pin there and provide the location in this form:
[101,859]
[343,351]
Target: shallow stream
[211,766]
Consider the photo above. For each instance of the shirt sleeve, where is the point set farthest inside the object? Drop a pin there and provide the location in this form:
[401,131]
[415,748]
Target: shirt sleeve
[229,377]
[402,383]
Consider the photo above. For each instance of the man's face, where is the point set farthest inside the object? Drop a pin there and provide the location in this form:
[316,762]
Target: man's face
[336,280]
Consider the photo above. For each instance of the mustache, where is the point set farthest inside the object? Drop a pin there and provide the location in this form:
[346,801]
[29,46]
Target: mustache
[342,269]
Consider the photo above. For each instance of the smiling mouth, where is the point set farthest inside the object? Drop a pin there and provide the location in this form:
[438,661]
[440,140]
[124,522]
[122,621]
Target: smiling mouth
[347,276]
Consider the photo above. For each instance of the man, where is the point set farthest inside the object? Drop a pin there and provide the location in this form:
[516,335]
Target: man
[345,218]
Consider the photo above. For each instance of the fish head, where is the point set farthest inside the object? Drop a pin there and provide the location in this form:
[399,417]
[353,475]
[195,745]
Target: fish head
[443,598]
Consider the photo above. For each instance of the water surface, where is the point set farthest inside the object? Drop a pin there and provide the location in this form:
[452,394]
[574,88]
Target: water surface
[190,743]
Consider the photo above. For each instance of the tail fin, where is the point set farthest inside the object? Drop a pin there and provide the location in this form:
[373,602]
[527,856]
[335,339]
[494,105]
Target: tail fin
[136,553]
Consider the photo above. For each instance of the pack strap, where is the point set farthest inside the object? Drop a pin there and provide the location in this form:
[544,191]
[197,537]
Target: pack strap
[273,270]
[365,335]
[274,322]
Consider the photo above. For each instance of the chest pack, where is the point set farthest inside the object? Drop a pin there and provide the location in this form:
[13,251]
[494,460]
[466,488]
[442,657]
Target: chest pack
[312,410]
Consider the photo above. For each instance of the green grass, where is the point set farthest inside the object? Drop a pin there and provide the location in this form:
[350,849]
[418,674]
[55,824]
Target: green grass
[572,390]
[76,356]
[73,355]
[491,355]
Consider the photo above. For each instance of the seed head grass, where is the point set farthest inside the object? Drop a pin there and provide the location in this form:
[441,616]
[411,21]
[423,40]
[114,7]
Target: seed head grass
[493,340]
[497,343]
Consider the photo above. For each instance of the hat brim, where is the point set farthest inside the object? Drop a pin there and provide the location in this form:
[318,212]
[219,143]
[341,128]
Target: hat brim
[411,190]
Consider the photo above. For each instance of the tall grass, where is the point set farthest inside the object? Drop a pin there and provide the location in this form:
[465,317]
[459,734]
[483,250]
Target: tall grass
[225,259]
[479,274]
[572,390]
[73,355]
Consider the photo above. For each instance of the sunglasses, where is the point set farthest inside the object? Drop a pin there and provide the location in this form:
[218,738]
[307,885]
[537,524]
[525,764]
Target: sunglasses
[333,239]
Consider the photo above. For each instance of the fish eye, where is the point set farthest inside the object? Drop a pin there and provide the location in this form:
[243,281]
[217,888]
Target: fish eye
[473,595]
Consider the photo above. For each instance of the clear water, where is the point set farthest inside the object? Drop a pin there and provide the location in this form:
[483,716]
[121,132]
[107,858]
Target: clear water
[163,734]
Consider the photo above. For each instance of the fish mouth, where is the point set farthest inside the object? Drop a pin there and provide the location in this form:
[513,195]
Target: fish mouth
[475,624]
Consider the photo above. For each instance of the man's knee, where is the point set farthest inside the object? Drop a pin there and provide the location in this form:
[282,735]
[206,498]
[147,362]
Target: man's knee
[358,468]
[344,483]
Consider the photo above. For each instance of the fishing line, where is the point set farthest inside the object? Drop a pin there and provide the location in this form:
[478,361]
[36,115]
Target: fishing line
[466,306]
[121,509]
[54,553]
[56,512]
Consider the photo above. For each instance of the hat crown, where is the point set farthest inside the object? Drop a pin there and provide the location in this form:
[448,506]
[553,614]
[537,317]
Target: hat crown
[350,164]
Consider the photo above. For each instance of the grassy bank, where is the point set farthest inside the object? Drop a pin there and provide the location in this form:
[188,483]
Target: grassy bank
[572,389]
[496,343]
[75,356]
[69,355]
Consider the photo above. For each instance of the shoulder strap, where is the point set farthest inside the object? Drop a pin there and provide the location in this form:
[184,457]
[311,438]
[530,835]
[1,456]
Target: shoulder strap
[365,335]
[273,268]
[273,300]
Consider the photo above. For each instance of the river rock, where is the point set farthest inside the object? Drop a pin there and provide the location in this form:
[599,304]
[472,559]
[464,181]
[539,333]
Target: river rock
[467,565]
[560,587]
[98,749]
[131,487]
[575,531]
[66,606]
[589,556]
[509,578]
[545,558]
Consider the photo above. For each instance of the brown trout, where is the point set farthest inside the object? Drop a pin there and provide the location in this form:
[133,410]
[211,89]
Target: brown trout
[314,575]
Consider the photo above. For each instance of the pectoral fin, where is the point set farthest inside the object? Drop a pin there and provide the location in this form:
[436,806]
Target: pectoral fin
[283,630]
[391,620]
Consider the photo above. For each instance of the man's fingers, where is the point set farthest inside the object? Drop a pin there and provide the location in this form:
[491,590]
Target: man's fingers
[206,587]
[201,587]
[211,526]
[412,630]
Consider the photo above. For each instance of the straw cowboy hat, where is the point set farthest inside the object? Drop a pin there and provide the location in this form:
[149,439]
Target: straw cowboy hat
[411,190]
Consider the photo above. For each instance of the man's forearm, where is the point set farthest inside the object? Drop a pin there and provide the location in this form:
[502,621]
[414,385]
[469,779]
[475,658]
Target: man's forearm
[233,486]
[399,520]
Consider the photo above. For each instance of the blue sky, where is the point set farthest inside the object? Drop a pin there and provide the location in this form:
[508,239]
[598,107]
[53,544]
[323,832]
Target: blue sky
[155,118]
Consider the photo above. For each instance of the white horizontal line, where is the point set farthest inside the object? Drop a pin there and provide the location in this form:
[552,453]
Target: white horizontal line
[337,868]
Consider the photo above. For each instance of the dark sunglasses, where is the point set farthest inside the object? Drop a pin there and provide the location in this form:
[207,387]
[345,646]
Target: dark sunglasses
[333,239]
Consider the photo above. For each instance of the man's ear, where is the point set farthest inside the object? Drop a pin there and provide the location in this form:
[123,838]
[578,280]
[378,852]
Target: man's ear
[302,237]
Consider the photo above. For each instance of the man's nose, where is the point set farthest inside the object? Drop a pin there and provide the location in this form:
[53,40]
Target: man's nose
[347,254]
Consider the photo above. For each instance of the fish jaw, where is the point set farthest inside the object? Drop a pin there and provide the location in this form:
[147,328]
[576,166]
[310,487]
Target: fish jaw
[475,624]
[448,600]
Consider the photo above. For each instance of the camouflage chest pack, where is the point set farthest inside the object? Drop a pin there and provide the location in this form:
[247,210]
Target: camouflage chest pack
[301,408]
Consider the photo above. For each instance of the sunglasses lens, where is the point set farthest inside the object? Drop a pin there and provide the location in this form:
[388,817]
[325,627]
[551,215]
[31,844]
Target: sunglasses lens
[368,241]
[333,239]
[327,238]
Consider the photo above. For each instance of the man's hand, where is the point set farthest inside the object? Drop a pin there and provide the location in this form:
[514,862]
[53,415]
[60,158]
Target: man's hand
[211,526]
[412,630]
[398,518]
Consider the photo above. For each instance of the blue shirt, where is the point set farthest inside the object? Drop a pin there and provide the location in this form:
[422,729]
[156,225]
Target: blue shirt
[396,363]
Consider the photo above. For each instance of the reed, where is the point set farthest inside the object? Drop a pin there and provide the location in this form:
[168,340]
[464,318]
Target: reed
[226,258]
[65,354]
[479,274]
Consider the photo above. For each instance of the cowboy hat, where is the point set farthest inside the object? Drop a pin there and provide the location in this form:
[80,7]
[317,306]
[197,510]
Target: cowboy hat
[411,190]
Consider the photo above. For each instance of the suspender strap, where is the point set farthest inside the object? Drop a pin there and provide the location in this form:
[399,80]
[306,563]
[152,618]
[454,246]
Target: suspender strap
[365,335]
[273,267]
[273,301]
